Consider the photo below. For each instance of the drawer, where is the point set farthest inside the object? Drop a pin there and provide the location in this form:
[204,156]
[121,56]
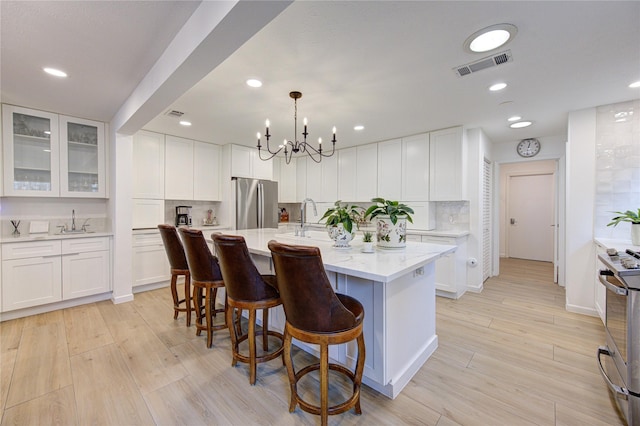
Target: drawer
[147,239]
[83,245]
[31,249]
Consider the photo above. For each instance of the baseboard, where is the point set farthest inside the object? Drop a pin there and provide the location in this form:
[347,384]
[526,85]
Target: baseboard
[592,312]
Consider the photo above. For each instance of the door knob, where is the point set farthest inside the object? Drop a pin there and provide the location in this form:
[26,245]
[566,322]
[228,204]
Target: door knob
[513,221]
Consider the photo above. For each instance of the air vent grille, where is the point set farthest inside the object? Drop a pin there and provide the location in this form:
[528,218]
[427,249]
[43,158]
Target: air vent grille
[489,62]
[174,113]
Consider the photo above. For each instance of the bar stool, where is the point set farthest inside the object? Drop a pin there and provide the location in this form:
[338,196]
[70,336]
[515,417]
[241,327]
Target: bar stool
[247,289]
[205,275]
[316,314]
[179,267]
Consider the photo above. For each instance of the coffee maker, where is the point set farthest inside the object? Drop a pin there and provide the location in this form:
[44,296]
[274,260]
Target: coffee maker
[183,215]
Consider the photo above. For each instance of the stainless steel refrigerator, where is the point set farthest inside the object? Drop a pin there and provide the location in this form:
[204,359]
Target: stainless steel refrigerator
[256,203]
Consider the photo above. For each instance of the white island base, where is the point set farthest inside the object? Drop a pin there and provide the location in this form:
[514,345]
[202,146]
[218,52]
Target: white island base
[397,290]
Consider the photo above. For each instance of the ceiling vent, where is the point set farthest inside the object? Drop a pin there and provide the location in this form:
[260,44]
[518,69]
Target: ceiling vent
[174,113]
[488,62]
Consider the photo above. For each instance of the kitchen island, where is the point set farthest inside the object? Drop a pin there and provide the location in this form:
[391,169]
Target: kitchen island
[396,288]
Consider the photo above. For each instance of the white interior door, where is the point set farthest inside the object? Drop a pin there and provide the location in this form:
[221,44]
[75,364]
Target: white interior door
[530,217]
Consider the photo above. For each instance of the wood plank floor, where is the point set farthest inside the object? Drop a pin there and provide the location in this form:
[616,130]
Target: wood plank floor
[511,355]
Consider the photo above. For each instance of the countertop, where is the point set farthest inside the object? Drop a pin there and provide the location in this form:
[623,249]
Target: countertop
[26,237]
[203,228]
[383,265]
[620,245]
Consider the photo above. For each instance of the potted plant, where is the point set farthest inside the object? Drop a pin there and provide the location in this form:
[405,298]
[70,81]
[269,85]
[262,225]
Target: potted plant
[367,242]
[339,222]
[392,217]
[629,216]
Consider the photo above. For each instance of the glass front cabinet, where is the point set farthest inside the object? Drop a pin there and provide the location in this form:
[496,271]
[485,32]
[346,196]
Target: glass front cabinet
[48,155]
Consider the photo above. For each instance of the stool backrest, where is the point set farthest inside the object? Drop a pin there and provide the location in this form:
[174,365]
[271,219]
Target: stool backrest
[242,280]
[173,247]
[203,265]
[307,296]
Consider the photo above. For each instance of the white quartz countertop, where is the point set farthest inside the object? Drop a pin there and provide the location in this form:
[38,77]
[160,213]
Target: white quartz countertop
[383,265]
[620,245]
[26,237]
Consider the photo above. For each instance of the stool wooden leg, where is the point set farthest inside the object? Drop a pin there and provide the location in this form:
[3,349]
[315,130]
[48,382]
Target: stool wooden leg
[208,316]
[252,346]
[213,300]
[265,329]
[288,362]
[197,296]
[359,370]
[229,314]
[324,384]
[174,293]
[187,298]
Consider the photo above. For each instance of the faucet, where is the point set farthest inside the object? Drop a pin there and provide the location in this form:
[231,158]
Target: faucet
[303,214]
[85,224]
[73,220]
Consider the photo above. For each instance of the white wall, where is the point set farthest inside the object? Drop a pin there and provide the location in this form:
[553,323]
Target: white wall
[580,181]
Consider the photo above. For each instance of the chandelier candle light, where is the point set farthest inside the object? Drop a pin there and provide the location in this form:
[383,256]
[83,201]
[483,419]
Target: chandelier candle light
[294,147]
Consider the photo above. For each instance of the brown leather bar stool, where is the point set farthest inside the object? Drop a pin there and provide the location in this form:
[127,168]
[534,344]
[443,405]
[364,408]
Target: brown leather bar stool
[179,267]
[316,314]
[205,275]
[247,289]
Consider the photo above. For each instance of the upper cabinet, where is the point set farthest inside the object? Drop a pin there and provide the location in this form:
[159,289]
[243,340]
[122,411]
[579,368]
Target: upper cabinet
[446,165]
[148,170]
[366,172]
[206,171]
[390,169]
[178,168]
[246,163]
[415,168]
[321,180]
[285,175]
[82,158]
[347,160]
[46,155]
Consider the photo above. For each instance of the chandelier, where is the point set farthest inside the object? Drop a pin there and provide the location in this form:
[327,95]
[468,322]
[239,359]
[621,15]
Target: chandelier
[295,147]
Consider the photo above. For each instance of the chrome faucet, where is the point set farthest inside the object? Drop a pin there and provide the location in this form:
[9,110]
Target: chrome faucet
[73,220]
[303,214]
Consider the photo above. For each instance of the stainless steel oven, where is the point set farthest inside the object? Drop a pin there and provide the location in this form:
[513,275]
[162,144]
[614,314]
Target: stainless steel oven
[621,364]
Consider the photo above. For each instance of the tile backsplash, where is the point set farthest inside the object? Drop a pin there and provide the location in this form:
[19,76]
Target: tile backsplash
[452,215]
[617,166]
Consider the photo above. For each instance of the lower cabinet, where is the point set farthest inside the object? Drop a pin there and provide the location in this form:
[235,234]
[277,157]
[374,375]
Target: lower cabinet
[40,272]
[451,270]
[150,262]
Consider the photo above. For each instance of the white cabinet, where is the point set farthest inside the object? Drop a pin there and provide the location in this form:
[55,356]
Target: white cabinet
[178,168]
[82,158]
[31,150]
[314,180]
[415,168]
[366,172]
[451,270]
[39,272]
[446,165]
[148,165]
[301,179]
[390,169]
[31,274]
[86,267]
[245,162]
[424,217]
[46,155]
[329,181]
[150,262]
[206,172]
[286,178]
[347,163]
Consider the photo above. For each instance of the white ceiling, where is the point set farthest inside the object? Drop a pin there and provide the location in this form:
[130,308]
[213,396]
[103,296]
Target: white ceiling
[386,65]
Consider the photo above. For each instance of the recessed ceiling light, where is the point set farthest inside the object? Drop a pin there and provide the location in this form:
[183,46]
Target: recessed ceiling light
[520,124]
[635,84]
[514,118]
[185,123]
[252,82]
[490,38]
[497,86]
[358,127]
[55,72]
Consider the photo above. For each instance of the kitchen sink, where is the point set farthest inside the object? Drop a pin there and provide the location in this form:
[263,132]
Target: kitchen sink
[309,236]
[77,231]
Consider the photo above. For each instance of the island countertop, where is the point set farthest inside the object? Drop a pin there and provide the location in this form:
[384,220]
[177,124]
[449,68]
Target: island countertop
[382,265]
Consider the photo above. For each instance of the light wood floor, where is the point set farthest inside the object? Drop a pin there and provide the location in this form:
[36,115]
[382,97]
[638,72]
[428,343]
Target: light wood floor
[511,355]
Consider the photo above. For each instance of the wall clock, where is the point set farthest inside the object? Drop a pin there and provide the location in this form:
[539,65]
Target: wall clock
[528,147]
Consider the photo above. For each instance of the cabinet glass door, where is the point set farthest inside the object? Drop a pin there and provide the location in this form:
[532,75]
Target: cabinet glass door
[31,152]
[82,148]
